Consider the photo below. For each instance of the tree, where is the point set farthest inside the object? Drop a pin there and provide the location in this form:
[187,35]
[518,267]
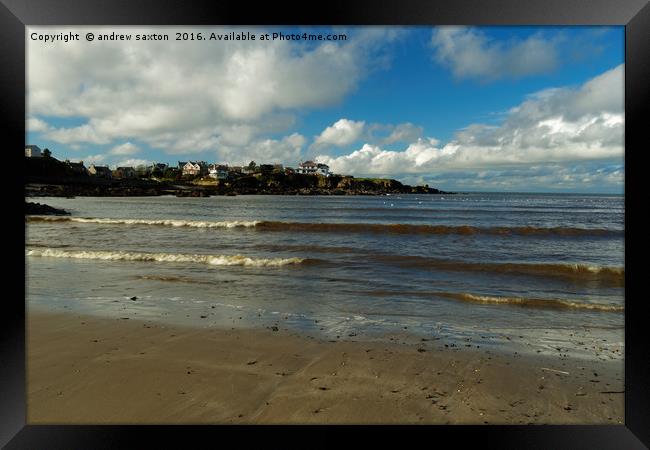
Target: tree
[172,173]
[47,153]
[141,171]
[251,165]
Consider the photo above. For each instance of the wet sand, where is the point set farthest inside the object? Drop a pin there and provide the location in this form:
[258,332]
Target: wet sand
[90,370]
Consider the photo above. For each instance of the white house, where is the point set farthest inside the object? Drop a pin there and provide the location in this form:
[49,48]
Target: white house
[314,168]
[218,171]
[33,151]
[100,171]
[194,168]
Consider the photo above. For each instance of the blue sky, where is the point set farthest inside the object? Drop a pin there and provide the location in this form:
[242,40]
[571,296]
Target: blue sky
[460,108]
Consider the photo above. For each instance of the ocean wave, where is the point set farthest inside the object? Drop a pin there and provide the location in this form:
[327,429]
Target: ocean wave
[530,302]
[180,279]
[611,276]
[309,248]
[214,260]
[165,222]
[47,245]
[321,227]
[543,303]
[430,229]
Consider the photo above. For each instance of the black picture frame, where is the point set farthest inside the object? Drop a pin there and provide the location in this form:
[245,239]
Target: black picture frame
[16,14]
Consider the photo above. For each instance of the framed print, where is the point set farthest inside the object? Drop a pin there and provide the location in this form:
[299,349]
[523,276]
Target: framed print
[419,213]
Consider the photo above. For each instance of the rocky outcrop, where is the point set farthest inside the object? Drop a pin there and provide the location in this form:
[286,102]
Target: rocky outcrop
[266,184]
[193,193]
[90,190]
[43,210]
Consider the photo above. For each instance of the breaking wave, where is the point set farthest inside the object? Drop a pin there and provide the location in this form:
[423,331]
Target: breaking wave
[429,229]
[215,260]
[395,228]
[309,248]
[543,303]
[180,279]
[166,222]
[612,276]
[530,302]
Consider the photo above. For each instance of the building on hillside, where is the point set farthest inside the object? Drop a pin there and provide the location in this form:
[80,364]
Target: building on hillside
[266,168]
[100,171]
[157,167]
[218,171]
[77,167]
[195,168]
[324,170]
[33,151]
[124,172]
[235,172]
[313,168]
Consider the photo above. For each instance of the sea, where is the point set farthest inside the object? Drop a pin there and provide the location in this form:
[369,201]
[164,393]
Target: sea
[522,273]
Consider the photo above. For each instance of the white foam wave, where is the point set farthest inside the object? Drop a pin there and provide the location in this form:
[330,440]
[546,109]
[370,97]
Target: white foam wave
[214,260]
[165,222]
[536,302]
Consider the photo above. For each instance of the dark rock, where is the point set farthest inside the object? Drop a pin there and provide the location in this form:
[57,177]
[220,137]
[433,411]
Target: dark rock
[41,209]
[60,185]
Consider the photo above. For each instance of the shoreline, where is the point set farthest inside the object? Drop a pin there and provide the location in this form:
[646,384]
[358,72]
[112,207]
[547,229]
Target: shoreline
[305,185]
[88,369]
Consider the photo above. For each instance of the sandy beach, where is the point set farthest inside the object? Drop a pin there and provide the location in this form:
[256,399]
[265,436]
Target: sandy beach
[90,370]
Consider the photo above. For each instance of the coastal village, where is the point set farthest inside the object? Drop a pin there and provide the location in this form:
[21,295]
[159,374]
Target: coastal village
[49,177]
[185,170]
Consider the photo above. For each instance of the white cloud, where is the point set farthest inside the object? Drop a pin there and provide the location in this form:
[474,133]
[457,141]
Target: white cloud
[345,132]
[93,159]
[84,133]
[36,125]
[470,53]
[341,133]
[184,97]
[587,177]
[553,126]
[404,132]
[132,162]
[125,149]
[219,138]
[285,151]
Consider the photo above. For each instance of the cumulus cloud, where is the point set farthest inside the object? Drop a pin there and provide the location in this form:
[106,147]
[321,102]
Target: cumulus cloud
[341,133]
[404,132]
[125,149]
[86,133]
[185,97]
[586,177]
[36,125]
[285,151]
[470,53]
[93,159]
[345,132]
[563,125]
[132,162]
